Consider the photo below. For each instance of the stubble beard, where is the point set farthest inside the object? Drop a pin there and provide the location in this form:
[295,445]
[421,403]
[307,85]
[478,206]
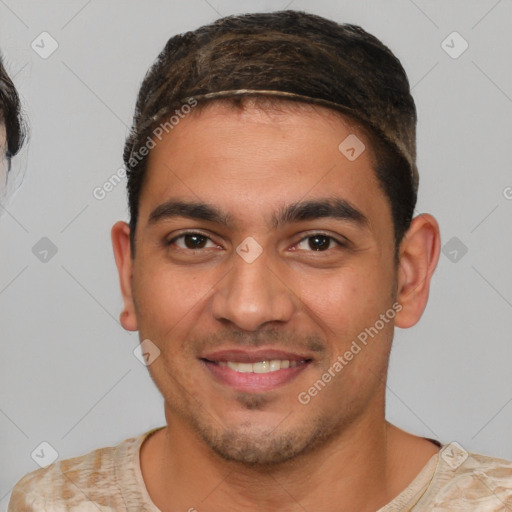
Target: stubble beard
[264,447]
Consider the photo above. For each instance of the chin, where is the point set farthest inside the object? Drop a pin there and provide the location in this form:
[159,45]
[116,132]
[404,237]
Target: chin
[256,444]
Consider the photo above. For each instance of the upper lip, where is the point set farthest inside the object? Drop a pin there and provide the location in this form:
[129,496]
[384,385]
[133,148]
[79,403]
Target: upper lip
[253,356]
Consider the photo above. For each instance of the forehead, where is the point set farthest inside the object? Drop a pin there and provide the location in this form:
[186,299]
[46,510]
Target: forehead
[264,127]
[242,156]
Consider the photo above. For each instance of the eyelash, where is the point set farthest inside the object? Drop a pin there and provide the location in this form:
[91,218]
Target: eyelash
[311,235]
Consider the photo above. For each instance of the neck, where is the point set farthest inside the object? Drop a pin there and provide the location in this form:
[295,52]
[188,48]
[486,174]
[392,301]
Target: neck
[182,473]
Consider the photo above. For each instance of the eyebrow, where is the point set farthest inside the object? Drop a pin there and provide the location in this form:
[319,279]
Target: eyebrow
[336,208]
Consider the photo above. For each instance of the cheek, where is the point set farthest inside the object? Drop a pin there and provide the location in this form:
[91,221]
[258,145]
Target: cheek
[4,165]
[347,299]
[168,298]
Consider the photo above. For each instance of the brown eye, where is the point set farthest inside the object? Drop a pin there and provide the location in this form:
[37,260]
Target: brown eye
[318,242]
[190,241]
[194,241]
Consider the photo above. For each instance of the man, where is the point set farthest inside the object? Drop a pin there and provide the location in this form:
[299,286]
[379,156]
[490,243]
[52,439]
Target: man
[11,126]
[270,253]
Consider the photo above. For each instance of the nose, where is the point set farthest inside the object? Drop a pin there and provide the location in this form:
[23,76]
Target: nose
[253,294]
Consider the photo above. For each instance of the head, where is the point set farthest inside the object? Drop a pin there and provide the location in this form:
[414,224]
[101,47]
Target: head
[254,234]
[11,126]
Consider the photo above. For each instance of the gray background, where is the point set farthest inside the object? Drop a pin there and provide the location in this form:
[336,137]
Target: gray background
[68,373]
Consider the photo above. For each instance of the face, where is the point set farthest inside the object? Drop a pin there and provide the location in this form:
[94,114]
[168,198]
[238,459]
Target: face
[263,257]
[4,162]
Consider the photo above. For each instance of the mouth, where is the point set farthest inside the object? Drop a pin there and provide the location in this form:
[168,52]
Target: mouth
[255,371]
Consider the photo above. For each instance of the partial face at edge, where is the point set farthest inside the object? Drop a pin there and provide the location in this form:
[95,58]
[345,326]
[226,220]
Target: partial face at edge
[316,286]
[4,162]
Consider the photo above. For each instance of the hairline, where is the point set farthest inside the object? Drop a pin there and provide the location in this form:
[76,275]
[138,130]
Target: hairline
[267,103]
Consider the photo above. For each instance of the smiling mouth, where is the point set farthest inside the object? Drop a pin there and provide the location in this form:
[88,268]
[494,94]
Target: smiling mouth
[264,366]
[255,376]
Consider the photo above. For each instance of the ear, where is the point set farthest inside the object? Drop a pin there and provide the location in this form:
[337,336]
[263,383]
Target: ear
[419,254]
[122,252]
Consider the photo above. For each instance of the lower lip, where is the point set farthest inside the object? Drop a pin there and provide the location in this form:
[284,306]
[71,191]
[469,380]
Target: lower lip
[254,382]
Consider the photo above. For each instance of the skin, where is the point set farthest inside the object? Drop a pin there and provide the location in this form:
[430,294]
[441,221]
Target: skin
[4,164]
[221,449]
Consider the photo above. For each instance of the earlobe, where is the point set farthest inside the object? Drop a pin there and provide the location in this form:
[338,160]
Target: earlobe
[120,235]
[419,254]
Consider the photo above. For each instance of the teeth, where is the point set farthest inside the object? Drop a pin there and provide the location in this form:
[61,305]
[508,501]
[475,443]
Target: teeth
[244,367]
[260,366]
[274,365]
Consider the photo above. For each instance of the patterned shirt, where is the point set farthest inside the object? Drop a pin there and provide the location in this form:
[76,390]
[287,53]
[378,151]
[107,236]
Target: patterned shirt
[110,479]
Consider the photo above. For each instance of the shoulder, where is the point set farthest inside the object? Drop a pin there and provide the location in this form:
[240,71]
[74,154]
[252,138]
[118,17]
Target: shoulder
[87,482]
[470,481]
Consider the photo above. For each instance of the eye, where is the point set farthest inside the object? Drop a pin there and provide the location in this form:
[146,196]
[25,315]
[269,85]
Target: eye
[319,242]
[191,240]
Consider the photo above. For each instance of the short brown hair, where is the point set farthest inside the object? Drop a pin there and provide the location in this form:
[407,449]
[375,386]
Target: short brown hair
[10,113]
[293,53]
